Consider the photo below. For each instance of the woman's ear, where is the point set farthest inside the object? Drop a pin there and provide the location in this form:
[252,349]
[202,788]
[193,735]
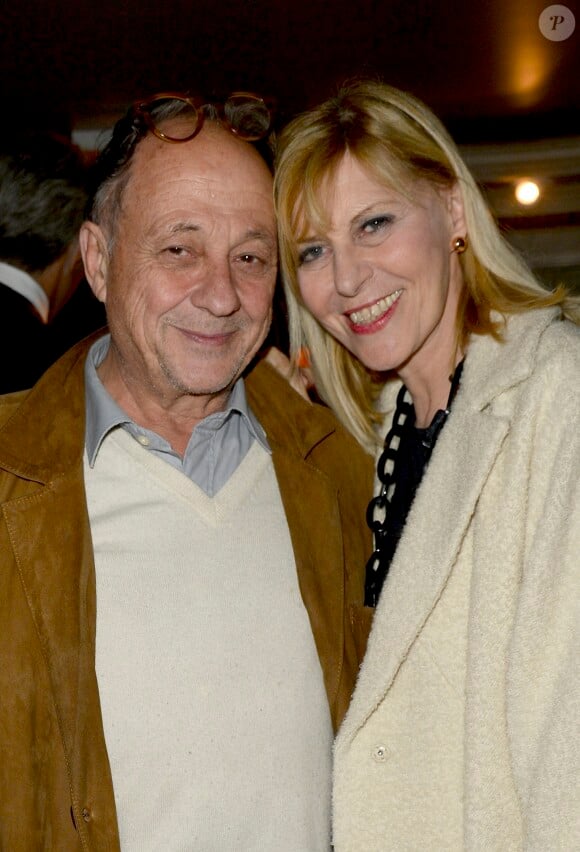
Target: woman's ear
[456,210]
[95,254]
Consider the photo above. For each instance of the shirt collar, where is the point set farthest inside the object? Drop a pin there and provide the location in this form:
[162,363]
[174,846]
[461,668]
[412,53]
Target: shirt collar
[103,413]
[23,283]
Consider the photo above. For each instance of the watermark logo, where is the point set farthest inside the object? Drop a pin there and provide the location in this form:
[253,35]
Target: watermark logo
[557,23]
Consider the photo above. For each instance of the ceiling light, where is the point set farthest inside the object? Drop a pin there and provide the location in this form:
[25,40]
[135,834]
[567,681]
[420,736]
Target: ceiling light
[527,192]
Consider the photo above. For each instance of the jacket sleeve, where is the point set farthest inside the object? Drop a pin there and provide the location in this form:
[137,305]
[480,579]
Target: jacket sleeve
[544,673]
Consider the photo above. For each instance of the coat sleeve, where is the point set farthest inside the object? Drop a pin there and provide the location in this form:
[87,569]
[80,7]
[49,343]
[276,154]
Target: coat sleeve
[543,713]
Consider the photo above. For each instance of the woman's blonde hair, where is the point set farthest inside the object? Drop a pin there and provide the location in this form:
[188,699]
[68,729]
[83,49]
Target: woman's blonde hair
[398,140]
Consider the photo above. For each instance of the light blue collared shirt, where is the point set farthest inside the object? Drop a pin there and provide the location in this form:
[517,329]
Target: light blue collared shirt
[217,446]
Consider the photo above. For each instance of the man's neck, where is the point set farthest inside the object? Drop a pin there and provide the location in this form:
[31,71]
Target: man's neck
[172,416]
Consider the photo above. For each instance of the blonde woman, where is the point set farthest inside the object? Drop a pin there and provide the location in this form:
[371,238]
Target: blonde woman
[439,350]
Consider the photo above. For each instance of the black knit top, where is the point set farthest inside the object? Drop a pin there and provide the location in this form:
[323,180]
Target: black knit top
[400,469]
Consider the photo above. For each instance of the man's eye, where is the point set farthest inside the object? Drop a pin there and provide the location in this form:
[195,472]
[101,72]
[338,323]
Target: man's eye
[176,251]
[310,254]
[377,223]
[255,261]
[254,264]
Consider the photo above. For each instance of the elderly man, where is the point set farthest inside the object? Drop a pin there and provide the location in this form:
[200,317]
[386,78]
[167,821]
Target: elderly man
[180,547]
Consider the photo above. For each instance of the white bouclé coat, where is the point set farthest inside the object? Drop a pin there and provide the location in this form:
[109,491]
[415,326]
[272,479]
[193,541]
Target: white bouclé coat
[463,731]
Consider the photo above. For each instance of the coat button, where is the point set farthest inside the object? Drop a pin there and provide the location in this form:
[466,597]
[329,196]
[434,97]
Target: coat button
[380,753]
[86,814]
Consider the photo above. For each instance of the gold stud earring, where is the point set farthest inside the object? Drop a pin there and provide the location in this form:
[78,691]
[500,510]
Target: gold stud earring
[459,245]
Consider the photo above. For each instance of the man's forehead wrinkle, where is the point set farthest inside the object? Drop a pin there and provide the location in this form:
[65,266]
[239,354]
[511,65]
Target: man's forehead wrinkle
[186,227]
[266,236]
[221,182]
[212,194]
[183,227]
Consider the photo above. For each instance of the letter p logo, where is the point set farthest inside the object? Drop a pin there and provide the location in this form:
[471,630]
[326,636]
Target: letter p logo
[557,23]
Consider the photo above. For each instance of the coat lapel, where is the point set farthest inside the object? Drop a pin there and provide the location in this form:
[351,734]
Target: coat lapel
[435,528]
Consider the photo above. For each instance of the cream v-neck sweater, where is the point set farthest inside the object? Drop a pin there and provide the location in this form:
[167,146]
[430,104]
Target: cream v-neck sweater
[214,709]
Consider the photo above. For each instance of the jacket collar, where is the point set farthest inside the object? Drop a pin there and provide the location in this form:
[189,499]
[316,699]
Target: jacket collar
[284,414]
[32,445]
[492,366]
[34,450]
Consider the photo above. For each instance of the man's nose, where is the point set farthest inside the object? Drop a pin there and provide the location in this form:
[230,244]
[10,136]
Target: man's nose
[217,292]
[350,271]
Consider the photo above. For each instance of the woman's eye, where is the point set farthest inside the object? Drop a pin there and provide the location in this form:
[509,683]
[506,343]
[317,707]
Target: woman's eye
[310,253]
[377,223]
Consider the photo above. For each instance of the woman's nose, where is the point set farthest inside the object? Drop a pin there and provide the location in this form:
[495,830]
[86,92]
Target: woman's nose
[350,272]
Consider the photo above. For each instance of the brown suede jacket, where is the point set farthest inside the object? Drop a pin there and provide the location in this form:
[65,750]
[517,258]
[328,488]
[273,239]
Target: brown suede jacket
[56,791]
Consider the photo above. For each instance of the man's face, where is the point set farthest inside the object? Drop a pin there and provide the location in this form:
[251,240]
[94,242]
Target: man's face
[188,282]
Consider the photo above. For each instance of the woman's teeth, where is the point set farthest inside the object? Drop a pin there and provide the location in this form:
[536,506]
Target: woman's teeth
[370,314]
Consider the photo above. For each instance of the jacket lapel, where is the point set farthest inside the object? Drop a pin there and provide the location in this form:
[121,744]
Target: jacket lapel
[45,528]
[312,511]
[311,508]
[44,507]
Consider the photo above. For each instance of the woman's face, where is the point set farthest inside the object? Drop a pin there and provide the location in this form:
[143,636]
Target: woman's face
[383,280]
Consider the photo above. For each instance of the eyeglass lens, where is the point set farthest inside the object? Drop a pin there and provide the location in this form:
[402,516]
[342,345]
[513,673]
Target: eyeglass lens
[246,115]
[173,118]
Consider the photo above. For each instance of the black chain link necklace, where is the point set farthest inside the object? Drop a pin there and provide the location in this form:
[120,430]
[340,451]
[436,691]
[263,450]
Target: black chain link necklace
[386,531]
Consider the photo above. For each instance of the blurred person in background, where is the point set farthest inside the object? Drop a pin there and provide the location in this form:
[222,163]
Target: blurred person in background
[42,200]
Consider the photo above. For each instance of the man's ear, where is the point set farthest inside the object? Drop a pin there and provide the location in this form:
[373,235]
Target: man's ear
[95,254]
